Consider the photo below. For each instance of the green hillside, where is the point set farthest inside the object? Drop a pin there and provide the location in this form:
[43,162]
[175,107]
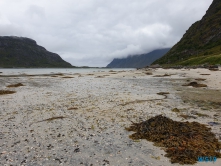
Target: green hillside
[201,43]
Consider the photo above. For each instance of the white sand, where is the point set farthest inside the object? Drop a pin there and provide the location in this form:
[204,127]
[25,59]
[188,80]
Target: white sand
[95,111]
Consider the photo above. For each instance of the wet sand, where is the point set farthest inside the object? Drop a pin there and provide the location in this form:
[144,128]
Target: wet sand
[80,119]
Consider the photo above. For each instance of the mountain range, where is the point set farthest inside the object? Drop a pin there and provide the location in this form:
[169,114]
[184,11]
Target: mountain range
[138,61]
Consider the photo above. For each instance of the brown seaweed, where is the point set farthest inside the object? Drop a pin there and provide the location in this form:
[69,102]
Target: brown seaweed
[214,69]
[163,93]
[67,77]
[5,92]
[195,84]
[72,108]
[200,79]
[183,141]
[15,85]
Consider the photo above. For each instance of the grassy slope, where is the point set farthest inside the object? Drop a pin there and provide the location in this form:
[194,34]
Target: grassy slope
[202,39]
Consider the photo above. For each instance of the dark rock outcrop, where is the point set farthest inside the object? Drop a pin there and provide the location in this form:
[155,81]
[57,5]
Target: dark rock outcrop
[138,61]
[24,52]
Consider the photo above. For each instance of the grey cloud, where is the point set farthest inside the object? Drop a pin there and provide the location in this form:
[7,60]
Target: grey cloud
[93,32]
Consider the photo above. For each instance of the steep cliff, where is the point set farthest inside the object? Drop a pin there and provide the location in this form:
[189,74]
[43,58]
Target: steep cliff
[201,43]
[24,52]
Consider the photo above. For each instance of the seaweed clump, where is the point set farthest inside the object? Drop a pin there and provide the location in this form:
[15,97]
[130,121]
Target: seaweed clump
[15,85]
[184,142]
[195,84]
[5,92]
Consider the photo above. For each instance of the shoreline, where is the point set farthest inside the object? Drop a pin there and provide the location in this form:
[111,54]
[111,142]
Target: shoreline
[96,107]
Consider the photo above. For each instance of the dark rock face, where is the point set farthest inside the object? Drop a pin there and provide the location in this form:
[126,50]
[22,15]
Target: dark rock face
[138,61]
[202,39]
[24,52]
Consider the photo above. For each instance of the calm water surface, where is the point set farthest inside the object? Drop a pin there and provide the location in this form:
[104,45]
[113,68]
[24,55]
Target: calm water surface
[15,71]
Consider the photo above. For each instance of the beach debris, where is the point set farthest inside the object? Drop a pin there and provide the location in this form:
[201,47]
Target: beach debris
[204,74]
[185,116]
[73,108]
[50,119]
[200,79]
[67,77]
[5,92]
[195,84]
[59,74]
[154,157]
[183,141]
[140,101]
[199,114]
[163,93]
[165,75]
[175,110]
[15,85]
[99,77]
[148,73]
[214,69]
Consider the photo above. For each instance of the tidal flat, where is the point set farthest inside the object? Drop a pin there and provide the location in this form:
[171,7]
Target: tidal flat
[80,119]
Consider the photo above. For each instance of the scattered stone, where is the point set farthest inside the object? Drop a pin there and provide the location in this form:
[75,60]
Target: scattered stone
[57,159]
[76,150]
[106,162]
[175,110]
[213,123]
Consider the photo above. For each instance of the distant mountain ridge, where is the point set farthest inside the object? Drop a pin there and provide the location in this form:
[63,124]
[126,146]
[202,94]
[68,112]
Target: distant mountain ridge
[138,61]
[24,52]
[201,43]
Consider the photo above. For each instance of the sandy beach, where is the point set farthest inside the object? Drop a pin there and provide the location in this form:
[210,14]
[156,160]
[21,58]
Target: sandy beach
[80,119]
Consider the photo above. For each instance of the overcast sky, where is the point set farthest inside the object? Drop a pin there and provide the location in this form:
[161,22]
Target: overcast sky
[93,32]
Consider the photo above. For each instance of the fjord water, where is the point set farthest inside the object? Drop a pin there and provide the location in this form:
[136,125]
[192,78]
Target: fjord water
[15,71]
